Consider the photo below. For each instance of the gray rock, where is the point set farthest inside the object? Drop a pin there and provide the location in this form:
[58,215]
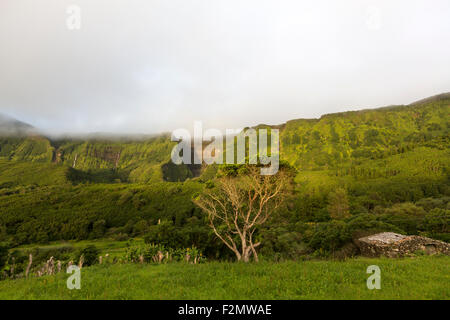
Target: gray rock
[394,245]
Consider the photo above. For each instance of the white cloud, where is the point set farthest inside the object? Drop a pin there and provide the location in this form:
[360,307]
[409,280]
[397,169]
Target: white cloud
[151,66]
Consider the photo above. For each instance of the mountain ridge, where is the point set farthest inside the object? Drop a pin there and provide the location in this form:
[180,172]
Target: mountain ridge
[11,126]
[6,120]
[337,141]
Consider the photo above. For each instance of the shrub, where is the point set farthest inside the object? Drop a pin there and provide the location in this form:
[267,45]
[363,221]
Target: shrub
[431,203]
[366,224]
[158,253]
[3,255]
[280,243]
[328,236]
[437,221]
[164,233]
[90,254]
[140,227]
[98,229]
[338,206]
[41,255]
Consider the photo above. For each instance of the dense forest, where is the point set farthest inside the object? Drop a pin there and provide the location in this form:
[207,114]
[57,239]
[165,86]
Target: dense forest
[356,173]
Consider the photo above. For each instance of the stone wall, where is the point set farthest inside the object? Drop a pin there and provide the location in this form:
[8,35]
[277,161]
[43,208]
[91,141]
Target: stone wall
[394,245]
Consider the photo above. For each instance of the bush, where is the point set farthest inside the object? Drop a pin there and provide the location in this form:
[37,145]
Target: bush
[157,253]
[366,224]
[140,227]
[41,255]
[90,254]
[98,229]
[280,243]
[430,203]
[164,233]
[3,255]
[328,236]
[437,221]
[405,216]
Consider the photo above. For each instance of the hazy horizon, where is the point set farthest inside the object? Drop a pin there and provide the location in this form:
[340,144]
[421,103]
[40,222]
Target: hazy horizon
[143,135]
[148,67]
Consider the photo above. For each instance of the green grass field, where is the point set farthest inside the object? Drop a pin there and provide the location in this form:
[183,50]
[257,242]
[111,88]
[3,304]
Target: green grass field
[421,277]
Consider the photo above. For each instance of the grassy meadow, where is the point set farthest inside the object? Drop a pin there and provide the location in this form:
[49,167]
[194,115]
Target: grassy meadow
[421,277]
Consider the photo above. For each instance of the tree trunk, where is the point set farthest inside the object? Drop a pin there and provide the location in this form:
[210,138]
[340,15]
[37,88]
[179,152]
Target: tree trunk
[30,261]
[255,255]
[246,252]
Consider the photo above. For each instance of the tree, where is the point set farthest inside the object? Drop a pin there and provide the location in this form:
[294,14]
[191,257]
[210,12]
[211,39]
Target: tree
[338,204]
[239,203]
[140,227]
[164,233]
[3,234]
[98,228]
[3,255]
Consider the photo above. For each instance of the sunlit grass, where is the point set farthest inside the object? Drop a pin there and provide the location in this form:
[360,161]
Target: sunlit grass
[409,278]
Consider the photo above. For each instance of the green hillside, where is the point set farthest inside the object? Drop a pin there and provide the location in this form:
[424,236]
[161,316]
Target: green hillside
[139,160]
[350,138]
[26,173]
[388,168]
[337,141]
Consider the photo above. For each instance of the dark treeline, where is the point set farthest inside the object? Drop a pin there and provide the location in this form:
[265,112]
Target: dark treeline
[164,213]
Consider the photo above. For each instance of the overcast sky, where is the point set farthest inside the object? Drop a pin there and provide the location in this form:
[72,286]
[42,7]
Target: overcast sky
[149,66]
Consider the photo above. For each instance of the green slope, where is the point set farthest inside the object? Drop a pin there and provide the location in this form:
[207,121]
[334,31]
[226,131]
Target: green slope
[353,137]
[25,173]
[335,141]
[132,161]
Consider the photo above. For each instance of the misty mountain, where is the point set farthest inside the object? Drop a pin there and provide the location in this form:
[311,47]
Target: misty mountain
[13,127]
[338,142]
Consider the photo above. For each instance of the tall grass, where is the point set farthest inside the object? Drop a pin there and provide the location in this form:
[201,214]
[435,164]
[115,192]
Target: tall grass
[412,278]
